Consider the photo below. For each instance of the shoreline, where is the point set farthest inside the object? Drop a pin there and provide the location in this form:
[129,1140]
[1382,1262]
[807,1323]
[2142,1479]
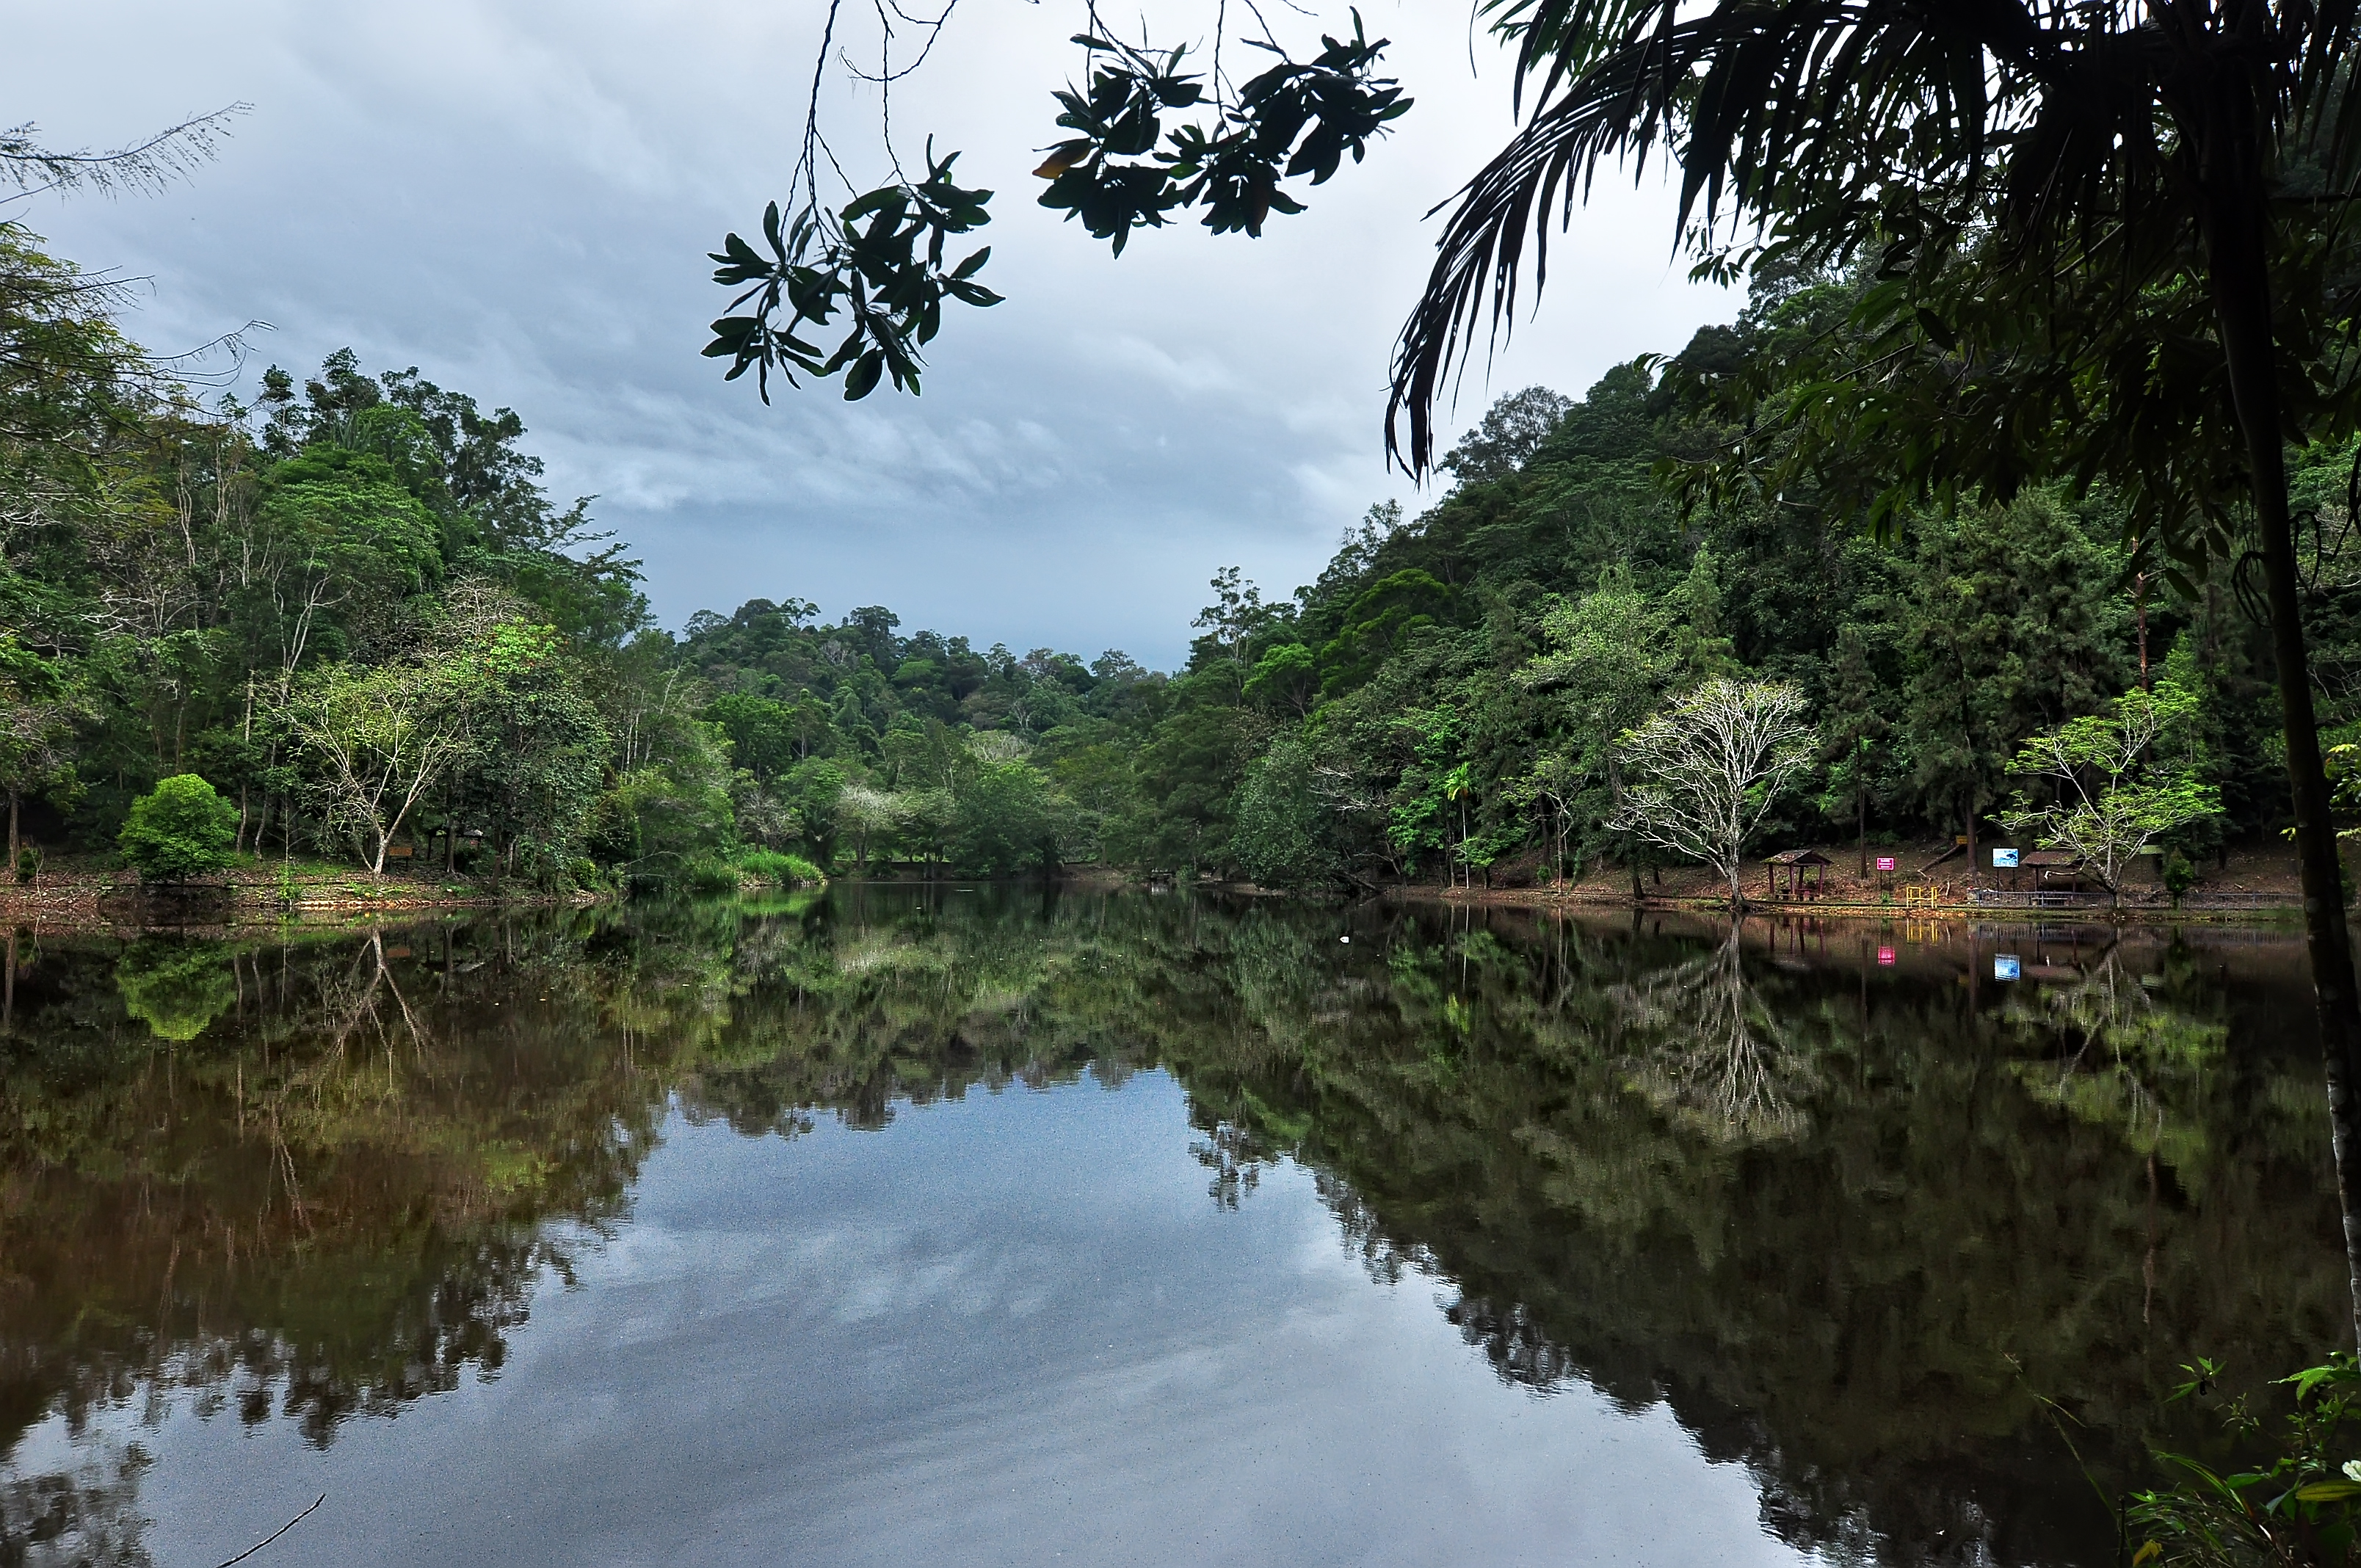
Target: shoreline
[2269,909]
[110,901]
[106,901]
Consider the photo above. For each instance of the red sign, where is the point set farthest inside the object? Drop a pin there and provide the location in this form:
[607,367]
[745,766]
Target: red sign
[1885,955]
[1885,863]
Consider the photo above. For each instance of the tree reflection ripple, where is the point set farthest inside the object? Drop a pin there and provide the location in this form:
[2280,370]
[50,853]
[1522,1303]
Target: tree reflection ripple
[1848,1207]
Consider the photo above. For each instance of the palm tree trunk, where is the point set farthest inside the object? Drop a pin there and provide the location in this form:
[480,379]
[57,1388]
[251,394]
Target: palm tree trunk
[2234,245]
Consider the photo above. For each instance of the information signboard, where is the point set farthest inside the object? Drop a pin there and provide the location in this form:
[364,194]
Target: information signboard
[2004,966]
[1885,863]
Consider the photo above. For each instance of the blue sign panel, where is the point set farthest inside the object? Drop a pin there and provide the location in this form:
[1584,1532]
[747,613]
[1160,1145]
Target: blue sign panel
[2003,860]
[2004,966]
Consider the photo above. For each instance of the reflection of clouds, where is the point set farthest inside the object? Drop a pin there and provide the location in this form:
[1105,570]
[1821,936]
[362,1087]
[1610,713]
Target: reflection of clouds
[73,1496]
[845,1274]
[1715,1058]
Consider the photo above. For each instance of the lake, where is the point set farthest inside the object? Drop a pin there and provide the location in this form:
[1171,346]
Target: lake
[988,1226]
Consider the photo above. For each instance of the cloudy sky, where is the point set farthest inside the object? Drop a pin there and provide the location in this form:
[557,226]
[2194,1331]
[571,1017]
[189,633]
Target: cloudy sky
[518,199]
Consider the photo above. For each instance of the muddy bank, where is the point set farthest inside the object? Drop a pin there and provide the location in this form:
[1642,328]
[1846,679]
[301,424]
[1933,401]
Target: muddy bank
[248,895]
[2252,882]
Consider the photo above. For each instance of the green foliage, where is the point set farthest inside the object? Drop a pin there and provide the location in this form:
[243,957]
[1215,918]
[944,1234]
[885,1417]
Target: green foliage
[377,561]
[175,988]
[1293,119]
[770,865]
[2300,1507]
[2118,781]
[1008,819]
[179,830]
[763,737]
[1280,838]
[880,260]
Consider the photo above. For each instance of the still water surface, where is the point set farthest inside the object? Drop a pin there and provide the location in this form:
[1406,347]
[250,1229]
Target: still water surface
[899,1228]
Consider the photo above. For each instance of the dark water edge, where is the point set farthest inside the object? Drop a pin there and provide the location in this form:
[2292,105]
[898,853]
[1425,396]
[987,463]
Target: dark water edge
[1843,1203]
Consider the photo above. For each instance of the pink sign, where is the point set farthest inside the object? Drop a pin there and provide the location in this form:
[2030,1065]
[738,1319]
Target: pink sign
[1885,863]
[1885,955]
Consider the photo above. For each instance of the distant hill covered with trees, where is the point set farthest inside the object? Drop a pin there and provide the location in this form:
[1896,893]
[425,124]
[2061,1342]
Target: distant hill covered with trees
[353,609]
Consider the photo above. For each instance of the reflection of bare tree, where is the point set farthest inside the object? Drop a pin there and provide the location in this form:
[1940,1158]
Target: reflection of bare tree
[1710,1053]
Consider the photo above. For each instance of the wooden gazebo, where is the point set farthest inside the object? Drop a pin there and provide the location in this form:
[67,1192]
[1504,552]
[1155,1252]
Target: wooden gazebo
[2053,866]
[1798,865]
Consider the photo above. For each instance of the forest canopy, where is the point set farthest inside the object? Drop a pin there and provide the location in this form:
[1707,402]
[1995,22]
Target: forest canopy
[353,608]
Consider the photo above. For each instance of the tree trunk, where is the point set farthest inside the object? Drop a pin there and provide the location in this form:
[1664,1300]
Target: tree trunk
[12,832]
[2234,245]
[2139,610]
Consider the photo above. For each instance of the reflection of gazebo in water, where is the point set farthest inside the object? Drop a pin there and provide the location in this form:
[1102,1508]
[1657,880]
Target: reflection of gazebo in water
[1797,864]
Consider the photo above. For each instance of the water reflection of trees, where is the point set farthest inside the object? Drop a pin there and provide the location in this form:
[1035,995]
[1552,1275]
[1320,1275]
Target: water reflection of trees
[2110,1047]
[307,1203]
[1850,1260]
[1711,1055]
[1826,1226]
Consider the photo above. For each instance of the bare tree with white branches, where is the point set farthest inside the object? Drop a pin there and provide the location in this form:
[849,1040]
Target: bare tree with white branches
[1701,775]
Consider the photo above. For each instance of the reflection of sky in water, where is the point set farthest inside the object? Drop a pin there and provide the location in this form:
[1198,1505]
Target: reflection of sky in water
[1010,1330]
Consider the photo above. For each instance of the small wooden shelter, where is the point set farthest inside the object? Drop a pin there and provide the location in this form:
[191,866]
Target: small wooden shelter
[2052,867]
[1798,865]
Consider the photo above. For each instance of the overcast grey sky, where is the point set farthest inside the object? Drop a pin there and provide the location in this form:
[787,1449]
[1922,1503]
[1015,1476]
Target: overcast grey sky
[518,199]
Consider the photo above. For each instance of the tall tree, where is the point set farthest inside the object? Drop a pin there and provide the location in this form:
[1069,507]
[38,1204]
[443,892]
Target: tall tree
[1704,773]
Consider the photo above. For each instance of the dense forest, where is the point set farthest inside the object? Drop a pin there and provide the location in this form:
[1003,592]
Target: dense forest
[352,607]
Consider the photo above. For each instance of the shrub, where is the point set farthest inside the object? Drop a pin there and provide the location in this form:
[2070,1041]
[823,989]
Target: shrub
[2179,876]
[766,865]
[770,865]
[179,829]
[2301,1507]
[707,873]
[28,863]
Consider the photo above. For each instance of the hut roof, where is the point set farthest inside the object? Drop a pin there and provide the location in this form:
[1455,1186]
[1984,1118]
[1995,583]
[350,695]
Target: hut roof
[1798,858]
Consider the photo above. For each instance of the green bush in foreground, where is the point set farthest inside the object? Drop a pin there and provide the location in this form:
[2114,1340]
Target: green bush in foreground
[2299,1508]
[786,869]
[179,830]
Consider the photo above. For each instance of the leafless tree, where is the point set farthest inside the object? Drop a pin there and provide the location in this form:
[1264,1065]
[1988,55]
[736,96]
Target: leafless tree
[1700,775]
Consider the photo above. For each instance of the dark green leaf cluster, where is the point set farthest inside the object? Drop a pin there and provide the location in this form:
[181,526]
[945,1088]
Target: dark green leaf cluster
[2296,1508]
[880,262]
[1124,172]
